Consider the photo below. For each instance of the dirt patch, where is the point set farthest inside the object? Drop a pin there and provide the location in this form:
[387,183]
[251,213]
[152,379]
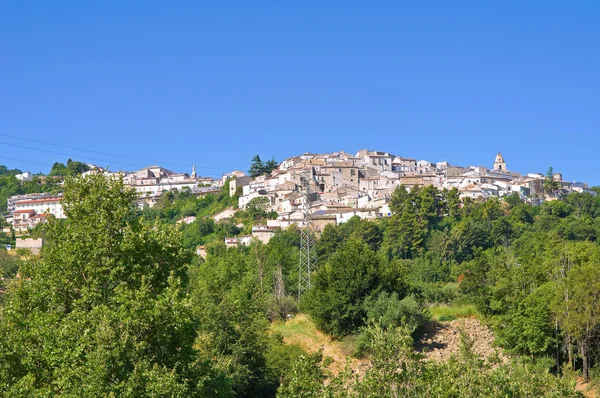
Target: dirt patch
[589,390]
[442,340]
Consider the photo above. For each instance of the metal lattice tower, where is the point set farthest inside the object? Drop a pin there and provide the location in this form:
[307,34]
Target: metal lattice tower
[308,253]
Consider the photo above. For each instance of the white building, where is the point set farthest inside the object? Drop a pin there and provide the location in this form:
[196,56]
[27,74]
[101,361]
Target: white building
[51,205]
[26,176]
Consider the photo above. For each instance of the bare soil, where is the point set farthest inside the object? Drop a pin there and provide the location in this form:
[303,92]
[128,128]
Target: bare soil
[442,340]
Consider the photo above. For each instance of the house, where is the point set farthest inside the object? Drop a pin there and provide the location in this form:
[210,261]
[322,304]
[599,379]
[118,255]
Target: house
[10,202]
[231,242]
[405,165]
[152,172]
[47,205]
[264,233]
[471,191]
[238,182]
[240,240]
[319,222]
[26,176]
[417,180]
[338,174]
[425,167]
[22,220]
[381,161]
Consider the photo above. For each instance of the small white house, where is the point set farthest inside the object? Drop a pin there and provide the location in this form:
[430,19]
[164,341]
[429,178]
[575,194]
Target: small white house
[26,176]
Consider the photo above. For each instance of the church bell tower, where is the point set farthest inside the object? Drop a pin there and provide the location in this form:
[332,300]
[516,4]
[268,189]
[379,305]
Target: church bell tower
[499,163]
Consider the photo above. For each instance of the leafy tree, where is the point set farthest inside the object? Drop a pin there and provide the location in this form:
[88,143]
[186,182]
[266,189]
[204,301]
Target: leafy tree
[75,168]
[5,171]
[335,301]
[580,313]
[257,207]
[233,327]
[103,312]
[328,243]
[528,328]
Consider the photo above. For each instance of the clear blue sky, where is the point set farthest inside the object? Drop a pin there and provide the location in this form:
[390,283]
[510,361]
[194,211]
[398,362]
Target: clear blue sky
[214,83]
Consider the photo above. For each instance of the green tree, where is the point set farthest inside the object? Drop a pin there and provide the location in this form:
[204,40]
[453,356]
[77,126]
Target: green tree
[103,312]
[256,166]
[577,301]
[335,301]
[551,186]
[257,207]
[269,166]
[75,168]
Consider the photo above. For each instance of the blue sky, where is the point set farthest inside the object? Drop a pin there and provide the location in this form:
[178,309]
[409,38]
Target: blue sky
[214,83]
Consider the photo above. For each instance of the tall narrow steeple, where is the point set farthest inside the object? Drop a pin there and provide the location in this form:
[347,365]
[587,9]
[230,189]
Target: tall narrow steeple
[193,171]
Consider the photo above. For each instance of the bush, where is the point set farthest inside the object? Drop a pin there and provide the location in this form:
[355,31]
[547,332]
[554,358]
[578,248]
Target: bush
[389,312]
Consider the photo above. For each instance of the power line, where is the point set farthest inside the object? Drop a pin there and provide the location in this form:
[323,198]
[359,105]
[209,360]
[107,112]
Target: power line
[25,161]
[101,153]
[81,157]
[69,155]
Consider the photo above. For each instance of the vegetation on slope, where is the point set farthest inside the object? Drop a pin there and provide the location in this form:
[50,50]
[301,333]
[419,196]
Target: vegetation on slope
[118,304]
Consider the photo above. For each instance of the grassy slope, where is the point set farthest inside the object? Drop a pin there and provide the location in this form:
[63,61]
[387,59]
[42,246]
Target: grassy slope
[301,331]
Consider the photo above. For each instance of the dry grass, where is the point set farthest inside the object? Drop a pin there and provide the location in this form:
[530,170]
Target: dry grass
[301,331]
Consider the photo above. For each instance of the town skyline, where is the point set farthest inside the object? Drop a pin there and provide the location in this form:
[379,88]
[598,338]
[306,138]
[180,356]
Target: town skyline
[213,173]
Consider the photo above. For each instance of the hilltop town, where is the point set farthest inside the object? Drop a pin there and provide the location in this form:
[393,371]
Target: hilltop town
[337,186]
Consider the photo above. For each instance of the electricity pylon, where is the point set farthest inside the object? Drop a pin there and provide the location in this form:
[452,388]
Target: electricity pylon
[308,252]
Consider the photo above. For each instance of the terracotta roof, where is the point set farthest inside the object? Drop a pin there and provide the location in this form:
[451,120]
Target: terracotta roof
[24,212]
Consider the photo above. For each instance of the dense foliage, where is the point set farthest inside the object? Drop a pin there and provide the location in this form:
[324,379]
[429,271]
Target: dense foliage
[119,305]
[104,311]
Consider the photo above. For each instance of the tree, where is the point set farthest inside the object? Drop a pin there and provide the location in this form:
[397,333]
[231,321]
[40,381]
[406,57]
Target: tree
[340,287]
[269,166]
[257,207]
[75,168]
[58,170]
[579,315]
[551,186]
[256,166]
[103,312]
